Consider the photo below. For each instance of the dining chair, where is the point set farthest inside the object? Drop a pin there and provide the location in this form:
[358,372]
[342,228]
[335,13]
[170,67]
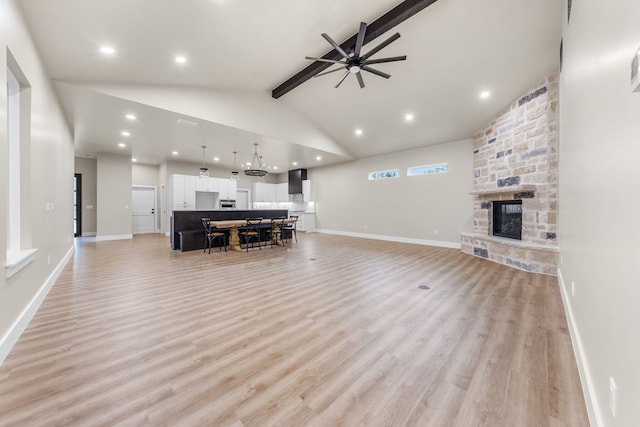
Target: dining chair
[277,231]
[290,229]
[211,236]
[250,233]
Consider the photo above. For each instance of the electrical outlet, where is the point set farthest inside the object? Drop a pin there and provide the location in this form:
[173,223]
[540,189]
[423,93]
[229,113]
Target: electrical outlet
[365,226]
[613,396]
[436,232]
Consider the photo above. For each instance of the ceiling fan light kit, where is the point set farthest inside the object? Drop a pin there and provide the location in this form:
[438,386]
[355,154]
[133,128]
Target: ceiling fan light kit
[355,63]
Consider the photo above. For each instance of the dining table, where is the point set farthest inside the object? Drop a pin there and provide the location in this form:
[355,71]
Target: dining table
[234,224]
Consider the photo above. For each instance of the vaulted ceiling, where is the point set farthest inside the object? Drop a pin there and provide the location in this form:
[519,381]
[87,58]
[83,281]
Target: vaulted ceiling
[238,52]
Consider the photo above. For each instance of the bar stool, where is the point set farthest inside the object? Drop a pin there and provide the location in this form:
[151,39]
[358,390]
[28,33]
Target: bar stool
[212,236]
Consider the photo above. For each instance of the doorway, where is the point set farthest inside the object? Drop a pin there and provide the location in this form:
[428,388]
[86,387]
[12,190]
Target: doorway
[143,203]
[77,205]
[242,199]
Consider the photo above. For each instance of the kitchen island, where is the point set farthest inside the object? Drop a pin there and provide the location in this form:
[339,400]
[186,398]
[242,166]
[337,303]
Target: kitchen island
[187,233]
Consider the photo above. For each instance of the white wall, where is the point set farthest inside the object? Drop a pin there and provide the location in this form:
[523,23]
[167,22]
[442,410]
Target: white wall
[347,202]
[114,197]
[147,175]
[599,202]
[51,183]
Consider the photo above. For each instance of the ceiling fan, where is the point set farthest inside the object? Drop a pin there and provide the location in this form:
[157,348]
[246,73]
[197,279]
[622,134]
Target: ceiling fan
[355,63]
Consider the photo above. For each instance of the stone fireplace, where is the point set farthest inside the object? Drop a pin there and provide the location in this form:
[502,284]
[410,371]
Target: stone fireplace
[516,166]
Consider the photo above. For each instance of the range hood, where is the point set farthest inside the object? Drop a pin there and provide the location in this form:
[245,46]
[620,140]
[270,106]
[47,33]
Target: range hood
[296,177]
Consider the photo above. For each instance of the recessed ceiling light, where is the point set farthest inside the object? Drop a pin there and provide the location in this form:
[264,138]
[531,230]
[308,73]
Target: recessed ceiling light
[248,163]
[485,94]
[122,144]
[216,159]
[130,117]
[318,158]
[275,168]
[180,59]
[358,132]
[107,50]
[125,133]
[175,153]
[295,163]
[134,159]
[409,117]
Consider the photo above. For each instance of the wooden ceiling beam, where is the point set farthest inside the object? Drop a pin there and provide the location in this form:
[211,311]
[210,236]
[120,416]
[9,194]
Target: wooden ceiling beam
[395,16]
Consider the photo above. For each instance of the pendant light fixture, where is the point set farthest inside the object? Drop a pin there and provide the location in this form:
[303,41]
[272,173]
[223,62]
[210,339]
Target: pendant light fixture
[253,170]
[234,171]
[204,172]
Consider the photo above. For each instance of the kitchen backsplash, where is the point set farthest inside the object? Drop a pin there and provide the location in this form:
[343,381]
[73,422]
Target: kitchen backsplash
[295,206]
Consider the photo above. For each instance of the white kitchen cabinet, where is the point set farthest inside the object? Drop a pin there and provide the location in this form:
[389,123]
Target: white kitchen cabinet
[183,192]
[307,191]
[309,222]
[207,184]
[282,192]
[228,189]
[306,221]
[264,192]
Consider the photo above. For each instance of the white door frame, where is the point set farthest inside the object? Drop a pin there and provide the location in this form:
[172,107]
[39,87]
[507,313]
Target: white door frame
[155,203]
[163,209]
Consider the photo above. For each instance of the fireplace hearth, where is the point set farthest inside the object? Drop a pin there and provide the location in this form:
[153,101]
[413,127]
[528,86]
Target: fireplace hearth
[507,219]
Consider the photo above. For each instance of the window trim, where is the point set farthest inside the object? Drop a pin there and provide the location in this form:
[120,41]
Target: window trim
[19,250]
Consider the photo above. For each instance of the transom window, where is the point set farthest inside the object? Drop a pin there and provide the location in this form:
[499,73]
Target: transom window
[427,169]
[392,173]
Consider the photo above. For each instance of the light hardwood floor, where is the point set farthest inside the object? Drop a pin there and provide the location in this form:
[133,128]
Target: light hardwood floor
[330,331]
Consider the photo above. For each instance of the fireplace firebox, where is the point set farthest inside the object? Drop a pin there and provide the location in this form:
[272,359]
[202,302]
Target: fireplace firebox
[507,219]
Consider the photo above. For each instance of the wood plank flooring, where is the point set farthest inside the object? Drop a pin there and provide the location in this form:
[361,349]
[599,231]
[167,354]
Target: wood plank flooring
[331,331]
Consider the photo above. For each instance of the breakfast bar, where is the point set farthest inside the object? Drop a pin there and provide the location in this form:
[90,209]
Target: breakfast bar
[187,233]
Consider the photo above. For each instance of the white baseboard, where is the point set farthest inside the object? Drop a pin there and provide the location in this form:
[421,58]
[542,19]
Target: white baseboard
[114,237]
[11,337]
[588,387]
[438,243]
[89,234]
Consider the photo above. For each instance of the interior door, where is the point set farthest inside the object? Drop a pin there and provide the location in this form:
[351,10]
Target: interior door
[242,199]
[144,210]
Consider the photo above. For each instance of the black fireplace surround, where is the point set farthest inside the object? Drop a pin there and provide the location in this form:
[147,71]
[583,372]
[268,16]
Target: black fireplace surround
[507,219]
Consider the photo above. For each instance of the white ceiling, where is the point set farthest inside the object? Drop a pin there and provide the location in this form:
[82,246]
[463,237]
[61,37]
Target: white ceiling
[239,51]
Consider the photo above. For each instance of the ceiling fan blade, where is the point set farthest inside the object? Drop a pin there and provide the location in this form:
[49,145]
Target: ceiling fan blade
[335,45]
[381,60]
[342,78]
[331,61]
[360,79]
[381,46]
[360,39]
[328,72]
[376,72]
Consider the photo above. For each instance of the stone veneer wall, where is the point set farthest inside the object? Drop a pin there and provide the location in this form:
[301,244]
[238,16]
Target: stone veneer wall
[516,158]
